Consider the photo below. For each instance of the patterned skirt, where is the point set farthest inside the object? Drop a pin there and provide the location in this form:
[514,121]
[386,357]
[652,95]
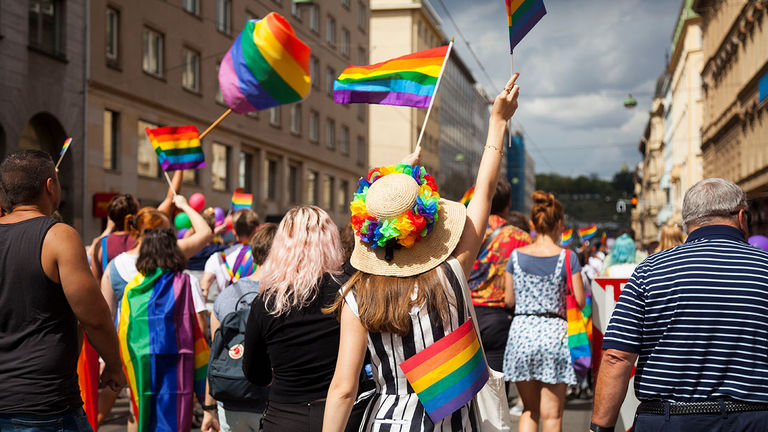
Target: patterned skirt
[537,350]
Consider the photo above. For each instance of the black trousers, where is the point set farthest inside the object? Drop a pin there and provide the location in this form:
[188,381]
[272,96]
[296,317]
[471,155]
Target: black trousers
[295,417]
[756,421]
[494,325]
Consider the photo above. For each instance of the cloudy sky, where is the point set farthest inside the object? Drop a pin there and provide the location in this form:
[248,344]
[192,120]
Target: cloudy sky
[576,68]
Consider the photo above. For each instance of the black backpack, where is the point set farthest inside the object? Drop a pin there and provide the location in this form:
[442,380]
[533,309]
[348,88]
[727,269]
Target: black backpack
[225,367]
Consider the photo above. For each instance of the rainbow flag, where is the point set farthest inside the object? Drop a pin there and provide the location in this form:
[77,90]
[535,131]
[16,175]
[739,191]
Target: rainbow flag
[467,197]
[244,265]
[409,80]
[88,381]
[65,147]
[167,365]
[603,238]
[448,374]
[267,66]
[241,200]
[566,237]
[177,147]
[587,233]
[523,15]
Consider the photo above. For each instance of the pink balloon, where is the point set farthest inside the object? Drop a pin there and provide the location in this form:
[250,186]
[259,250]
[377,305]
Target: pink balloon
[197,201]
[228,222]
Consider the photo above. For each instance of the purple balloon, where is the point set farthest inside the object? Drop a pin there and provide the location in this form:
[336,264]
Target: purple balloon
[219,215]
[180,233]
[759,241]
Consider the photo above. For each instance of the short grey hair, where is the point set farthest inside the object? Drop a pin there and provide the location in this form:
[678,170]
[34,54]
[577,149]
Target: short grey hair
[711,200]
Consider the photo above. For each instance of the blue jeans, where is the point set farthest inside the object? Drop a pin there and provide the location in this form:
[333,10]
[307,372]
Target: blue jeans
[72,422]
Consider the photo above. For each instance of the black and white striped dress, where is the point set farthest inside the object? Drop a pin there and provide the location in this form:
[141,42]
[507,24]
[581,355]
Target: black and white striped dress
[395,407]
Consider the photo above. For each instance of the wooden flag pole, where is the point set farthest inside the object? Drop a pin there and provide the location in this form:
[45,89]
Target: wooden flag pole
[509,122]
[216,123]
[61,156]
[170,183]
[434,95]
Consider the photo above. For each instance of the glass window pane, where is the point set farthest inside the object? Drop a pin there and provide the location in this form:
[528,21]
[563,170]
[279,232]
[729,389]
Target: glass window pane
[146,157]
[190,74]
[293,184]
[110,144]
[271,179]
[341,196]
[312,189]
[362,154]
[245,171]
[113,28]
[330,134]
[344,141]
[314,126]
[327,193]
[296,119]
[219,166]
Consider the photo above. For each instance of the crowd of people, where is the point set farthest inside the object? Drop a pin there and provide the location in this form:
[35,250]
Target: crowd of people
[311,323]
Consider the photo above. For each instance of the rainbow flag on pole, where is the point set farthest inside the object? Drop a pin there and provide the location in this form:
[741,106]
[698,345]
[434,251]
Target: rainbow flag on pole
[566,237]
[177,147]
[267,66]
[588,232]
[467,197]
[448,374]
[241,200]
[65,147]
[167,365]
[523,15]
[409,80]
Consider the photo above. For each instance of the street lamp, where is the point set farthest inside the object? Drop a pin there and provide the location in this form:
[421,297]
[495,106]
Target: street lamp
[630,102]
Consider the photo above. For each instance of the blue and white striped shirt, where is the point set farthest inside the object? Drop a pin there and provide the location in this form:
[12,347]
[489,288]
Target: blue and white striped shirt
[697,315]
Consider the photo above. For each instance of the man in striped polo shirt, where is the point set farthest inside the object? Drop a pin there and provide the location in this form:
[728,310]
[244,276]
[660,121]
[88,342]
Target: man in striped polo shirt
[696,319]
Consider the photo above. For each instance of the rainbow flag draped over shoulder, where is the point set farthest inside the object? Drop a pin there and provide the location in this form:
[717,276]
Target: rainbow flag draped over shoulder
[448,374]
[177,147]
[267,66]
[588,232]
[241,200]
[167,365]
[409,80]
[467,197]
[566,237]
[523,15]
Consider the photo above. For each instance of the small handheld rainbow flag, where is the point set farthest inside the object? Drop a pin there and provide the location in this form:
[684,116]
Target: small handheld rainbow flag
[167,365]
[467,197]
[267,66]
[409,80]
[566,237]
[241,200]
[523,15]
[603,238]
[177,147]
[448,374]
[65,147]
[587,233]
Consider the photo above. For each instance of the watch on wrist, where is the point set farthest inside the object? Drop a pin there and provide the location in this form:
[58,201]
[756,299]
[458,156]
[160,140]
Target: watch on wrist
[595,428]
[212,407]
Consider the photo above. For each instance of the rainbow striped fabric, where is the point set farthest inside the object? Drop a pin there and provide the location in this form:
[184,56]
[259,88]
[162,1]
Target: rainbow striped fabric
[177,147]
[65,147]
[587,233]
[448,374]
[243,265]
[409,80]
[566,237]
[241,200]
[467,197]
[167,365]
[267,66]
[523,15]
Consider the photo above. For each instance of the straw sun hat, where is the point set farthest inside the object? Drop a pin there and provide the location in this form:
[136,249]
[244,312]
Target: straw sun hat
[395,197]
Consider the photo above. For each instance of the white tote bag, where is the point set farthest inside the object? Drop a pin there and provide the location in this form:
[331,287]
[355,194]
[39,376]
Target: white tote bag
[491,408]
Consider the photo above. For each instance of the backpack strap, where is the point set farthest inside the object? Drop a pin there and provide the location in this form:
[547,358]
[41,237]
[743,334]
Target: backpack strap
[104,255]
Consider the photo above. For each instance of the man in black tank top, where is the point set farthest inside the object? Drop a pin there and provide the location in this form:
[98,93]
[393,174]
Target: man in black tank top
[46,288]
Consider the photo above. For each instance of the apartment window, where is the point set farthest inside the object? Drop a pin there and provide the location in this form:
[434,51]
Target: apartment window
[146,157]
[344,141]
[224,16]
[362,152]
[345,3]
[270,182]
[314,71]
[219,96]
[245,171]
[314,126]
[296,119]
[152,61]
[330,134]
[328,201]
[330,77]
[312,187]
[220,166]
[330,30]
[361,57]
[362,16]
[190,77]
[46,26]
[345,37]
[189,176]
[293,184]
[342,199]
[274,116]
[113,34]
[295,10]
[192,6]
[314,18]
[111,136]
[249,16]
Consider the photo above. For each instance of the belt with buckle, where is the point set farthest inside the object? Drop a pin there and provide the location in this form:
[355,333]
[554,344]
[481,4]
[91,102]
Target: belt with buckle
[710,407]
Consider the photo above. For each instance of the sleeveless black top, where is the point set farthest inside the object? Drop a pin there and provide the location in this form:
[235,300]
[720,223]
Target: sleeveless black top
[38,330]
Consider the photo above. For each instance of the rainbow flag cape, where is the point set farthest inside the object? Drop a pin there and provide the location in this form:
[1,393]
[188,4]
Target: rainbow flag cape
[566,237]
[167,365]
[409,80]
[587,233]
[448,374]
[65,147]
[177,147]
[267,66]
[523,15]
[467,197]
[241,200]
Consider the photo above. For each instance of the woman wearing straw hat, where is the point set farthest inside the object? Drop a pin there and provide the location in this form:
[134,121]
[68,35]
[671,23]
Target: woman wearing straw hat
[411,249]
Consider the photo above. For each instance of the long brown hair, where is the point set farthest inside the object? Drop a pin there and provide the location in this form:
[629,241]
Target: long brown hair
[385,302]
[159,250]
[671,236]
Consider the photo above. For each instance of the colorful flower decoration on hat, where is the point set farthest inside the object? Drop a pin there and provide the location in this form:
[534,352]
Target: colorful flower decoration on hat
[406,229]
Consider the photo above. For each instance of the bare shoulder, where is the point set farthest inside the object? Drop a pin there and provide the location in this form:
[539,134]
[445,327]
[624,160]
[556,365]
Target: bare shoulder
[63,237]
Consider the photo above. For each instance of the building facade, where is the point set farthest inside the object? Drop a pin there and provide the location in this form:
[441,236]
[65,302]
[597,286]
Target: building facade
[521,174]
[156,64]
[42,88]
[735,82]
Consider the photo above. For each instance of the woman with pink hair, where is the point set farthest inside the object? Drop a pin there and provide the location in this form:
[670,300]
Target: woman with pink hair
[289,343]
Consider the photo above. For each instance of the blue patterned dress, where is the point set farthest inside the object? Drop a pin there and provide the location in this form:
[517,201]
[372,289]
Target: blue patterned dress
[537,347]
